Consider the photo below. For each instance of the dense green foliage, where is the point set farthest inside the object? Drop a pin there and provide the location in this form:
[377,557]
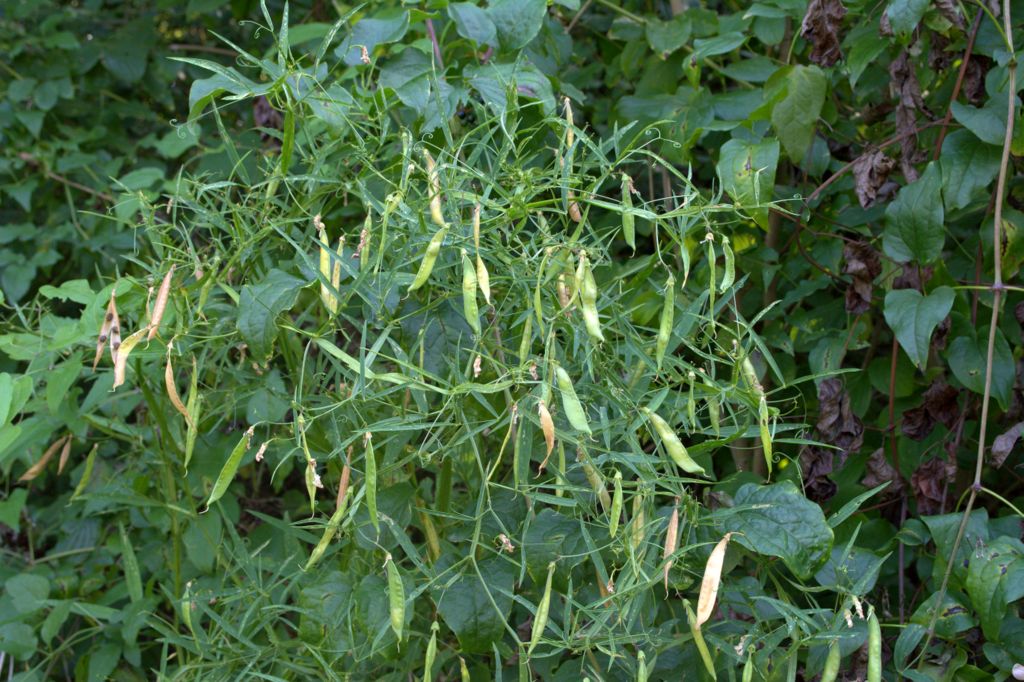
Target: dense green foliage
[742,274]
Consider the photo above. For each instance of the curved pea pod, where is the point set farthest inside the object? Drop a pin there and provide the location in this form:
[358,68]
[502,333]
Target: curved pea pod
[429,259]
[595,479]
[547,426]
[540,619]
[161,304]
[628,219]
[396,597]
[526,340]
[570,402]
[668,313]
[641,667]
[831,670]
[469,305]
[676,450]
[671,541]
[613,524]
[712,275]
[230,468]
[712,581]
[730,266]
[748,670]
[874,649]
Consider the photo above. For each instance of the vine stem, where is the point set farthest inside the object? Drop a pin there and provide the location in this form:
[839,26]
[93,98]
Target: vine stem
[997,295]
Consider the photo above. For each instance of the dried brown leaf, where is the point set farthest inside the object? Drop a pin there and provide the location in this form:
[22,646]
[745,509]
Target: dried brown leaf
[1003,445]
[928,481]
[906,89]
[879,471]
[820,28]
[837,425]
[949,10]
[870,173]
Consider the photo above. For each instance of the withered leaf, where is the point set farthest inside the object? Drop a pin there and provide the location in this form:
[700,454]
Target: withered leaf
[862,262]
[917,423]
[879,471]
[940,401]
[837,425]
[948,9]
[1002,446]
[820,28]
[905,88]
[870,172]
[816,464]
[928,482]
[912,277]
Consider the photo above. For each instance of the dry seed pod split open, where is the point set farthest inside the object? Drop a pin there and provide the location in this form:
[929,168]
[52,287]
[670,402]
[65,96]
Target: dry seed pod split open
[109,321]
[712,580]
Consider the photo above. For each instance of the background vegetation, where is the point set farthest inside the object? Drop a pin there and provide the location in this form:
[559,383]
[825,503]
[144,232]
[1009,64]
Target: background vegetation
[787,234]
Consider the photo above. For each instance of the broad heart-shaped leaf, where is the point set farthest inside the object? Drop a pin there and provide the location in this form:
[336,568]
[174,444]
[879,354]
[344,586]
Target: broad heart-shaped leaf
[794,116]
[954,616]
[665,37]
[260,304]
[967,357]
[904,15]
[553,536]
[517,21]
[913,318]
[995,578]
[468,611]
[944,529]
[369,32]
[777,520]
[988,122]
[473,23]
[27,592]
[747,173]
[493,81]
[968,165]
[409,77]
[914,220]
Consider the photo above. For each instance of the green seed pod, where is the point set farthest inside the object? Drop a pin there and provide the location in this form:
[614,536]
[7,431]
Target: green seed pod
[371,480]
[571,403]
[766,436]
[469,284]
[428,661]
[831,670]
[874,649]
[668,312]
[587,288]
[628,219]
[613,524]
[675,448]
[540,619]
[429,258]
[641,667]
[396,597]
[712,275]
[595,479]
[730,266]
[748,669]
